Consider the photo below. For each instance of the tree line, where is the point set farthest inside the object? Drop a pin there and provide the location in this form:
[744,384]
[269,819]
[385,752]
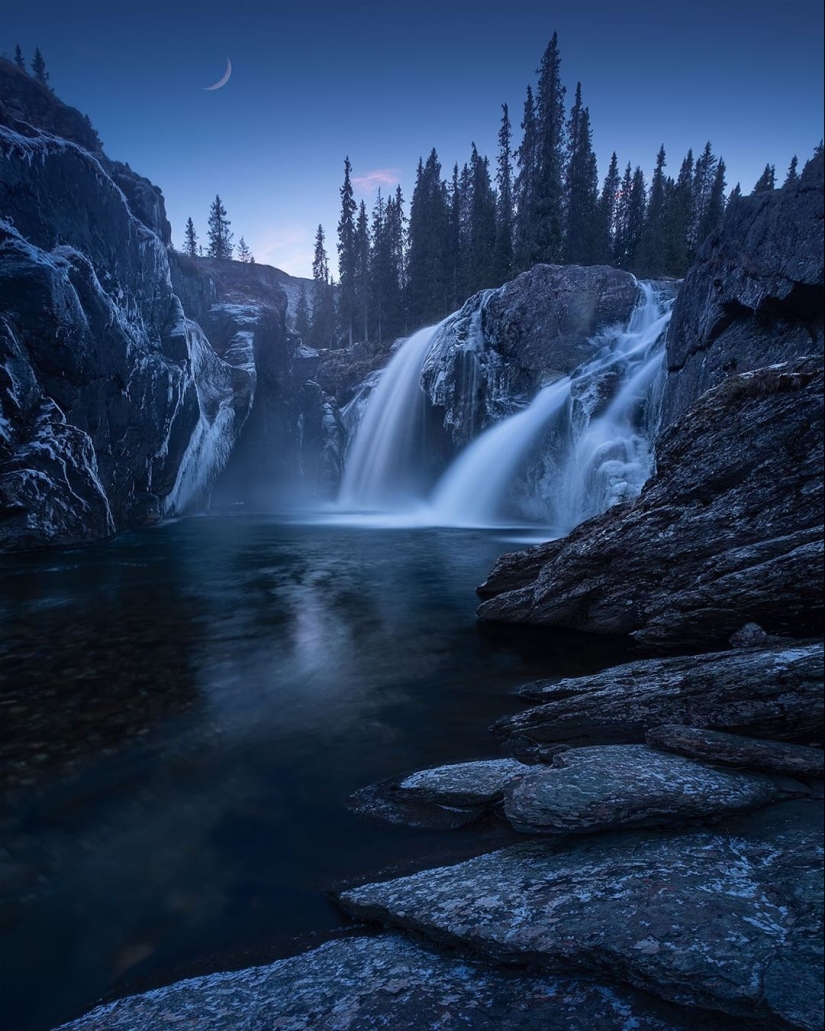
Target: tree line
[38,65]
[220,239]
[542,202]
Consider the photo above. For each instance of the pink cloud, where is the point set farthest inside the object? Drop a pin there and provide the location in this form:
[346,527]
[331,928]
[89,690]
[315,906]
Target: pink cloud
[379,177]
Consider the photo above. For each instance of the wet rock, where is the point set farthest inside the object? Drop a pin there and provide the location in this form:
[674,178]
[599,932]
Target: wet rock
[773,692]
[725,922]
[599,788]
[728,531]
[736,750]
[375,984]
[503,344]
[473,783]
[754,293]
[385,802]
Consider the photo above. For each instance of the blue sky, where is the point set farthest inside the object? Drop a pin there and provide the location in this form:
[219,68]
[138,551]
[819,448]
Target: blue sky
[384,83]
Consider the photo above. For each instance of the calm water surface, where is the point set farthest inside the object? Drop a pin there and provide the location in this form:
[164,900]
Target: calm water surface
[185,712]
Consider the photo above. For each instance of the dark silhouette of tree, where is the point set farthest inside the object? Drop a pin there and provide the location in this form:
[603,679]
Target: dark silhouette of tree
[18,58]
[190,245]
[793,175]
[220,238]
[323,310]
[651,261]
[302,326]
[429,233]
[346,254]
[482,225]
[39,67]
[581,244]
[362,272]
[608,211]
[766,181]
[244,253]
[548,191]
[678,219]
[503,258]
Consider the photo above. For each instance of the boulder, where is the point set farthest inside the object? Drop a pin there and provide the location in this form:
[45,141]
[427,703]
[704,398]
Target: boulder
[492,355]
[727,922]
[378,983]
[735,750]
[773,692]
[603,787]
[472,783]
[728,530]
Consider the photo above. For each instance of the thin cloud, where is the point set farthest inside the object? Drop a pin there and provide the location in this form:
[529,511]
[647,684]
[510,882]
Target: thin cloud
[370,182]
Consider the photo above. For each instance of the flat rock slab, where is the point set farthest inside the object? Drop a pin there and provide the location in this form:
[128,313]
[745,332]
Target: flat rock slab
[771,692]
[473,783]
[599,788]
[705,920]
[735,750]
[367,984]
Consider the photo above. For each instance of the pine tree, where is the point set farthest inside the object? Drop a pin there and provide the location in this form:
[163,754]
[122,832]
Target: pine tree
[735,194]
[362,272]
[581,245]
[652,247]
[220,238]
[608,212]
[482,225]
[715,206]
[456,243]
[548,208]
[704,176]
[631,220]
[524,244]
[679,213]
[18,58]
[793,175]
[429,261]
[346,254]
[244,253]
[302,327]
[379,266]
[323,309]
[766,181]
[39,67]
[190,246]
[503,259]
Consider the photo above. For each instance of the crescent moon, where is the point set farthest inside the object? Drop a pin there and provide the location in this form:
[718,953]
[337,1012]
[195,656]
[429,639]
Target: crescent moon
[223,79]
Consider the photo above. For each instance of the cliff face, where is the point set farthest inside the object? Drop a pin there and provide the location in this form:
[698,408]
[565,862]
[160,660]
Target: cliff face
[123,394]
[729,529]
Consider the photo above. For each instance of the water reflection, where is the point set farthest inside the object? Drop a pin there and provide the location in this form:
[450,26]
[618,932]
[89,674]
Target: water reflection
[188,709]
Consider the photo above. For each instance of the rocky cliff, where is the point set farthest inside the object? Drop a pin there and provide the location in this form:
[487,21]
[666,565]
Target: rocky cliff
[124,393]
[729,529]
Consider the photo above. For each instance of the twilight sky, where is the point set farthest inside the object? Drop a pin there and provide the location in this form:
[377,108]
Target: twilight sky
[386,82]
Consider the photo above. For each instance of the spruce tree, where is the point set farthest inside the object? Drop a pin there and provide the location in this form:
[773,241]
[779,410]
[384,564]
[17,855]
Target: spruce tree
[482,224]
[715,206]
[302,327]
[379,267]
[244,253]
[548,209]
[18,58]
[323,307]
[652,247]
[362,272]
[735,194]
[39,67]
[581,245]
[429,261]
[793,175]
[456,244]
[766,181]
[608,212]
[220,238]
[704,176]
[190,246]
[524,245]
[503,259]
[346,254]
[678,219]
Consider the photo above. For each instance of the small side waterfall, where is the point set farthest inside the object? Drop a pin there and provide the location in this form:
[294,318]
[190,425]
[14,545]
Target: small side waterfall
[580,446]
[382,470]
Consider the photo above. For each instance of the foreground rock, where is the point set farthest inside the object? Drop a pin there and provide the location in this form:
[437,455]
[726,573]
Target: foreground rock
[728,531]
[735,750]
[725,922]
[367,984]
[773,692]
[600,788]
[443,798]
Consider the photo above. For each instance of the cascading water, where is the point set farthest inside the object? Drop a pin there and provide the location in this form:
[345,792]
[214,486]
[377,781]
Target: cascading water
[382,471]
[579,447]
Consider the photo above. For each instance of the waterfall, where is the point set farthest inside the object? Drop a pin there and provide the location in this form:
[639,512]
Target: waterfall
[581,445]
[383,468]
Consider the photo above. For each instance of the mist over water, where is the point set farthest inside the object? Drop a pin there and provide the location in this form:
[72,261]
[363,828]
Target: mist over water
[579,447]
